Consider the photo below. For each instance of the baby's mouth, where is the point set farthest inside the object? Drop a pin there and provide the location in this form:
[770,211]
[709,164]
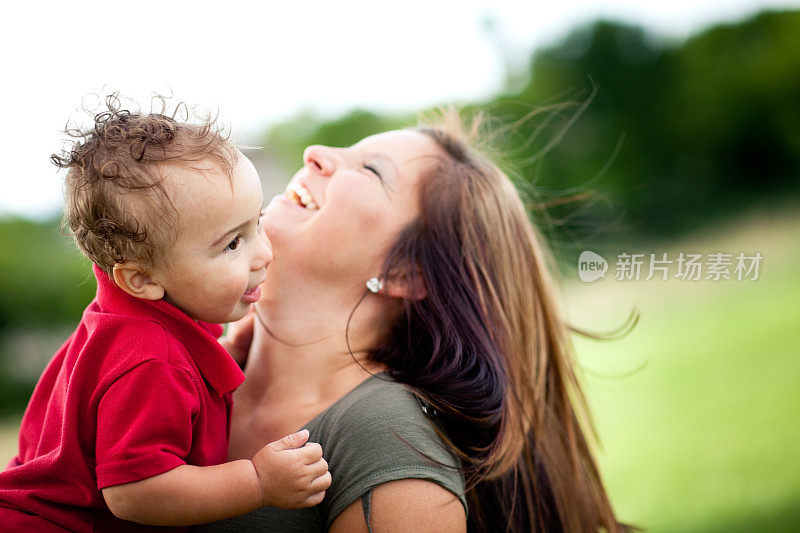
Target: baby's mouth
[252,295]
[300,195]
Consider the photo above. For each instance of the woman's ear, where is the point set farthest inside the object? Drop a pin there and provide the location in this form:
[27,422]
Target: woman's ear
[406,286]
[133,279]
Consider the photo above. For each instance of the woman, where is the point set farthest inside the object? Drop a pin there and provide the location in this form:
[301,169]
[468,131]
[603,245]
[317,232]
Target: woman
[443,392]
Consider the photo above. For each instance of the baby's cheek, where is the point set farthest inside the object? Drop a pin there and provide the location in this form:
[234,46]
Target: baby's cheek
[231,292]
[237,285]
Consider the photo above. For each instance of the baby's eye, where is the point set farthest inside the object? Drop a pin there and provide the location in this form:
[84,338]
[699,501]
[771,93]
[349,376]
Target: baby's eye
[234,244]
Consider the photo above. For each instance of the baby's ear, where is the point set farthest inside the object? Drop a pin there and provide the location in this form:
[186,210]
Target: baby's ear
[133,279]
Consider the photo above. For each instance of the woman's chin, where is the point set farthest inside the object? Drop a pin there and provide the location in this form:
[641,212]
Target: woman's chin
[282,219]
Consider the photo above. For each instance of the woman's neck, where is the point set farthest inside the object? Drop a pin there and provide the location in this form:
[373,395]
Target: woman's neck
[300,349]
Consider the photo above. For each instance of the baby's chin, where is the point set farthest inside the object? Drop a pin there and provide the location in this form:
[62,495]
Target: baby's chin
[223,318]
[240,313]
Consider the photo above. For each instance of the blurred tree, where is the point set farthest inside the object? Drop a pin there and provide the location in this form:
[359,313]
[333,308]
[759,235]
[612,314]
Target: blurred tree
[46,283]
[709,126]
[45,279]
[735,125]
[657,138]
[287,140]
[598,91]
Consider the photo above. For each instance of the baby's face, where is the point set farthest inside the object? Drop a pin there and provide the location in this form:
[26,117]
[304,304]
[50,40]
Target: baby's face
[219,259]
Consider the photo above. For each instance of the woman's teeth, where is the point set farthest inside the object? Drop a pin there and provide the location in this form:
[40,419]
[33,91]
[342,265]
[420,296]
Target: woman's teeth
[300,194]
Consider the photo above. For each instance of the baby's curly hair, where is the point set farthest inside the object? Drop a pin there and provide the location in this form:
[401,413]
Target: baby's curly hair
[115,201]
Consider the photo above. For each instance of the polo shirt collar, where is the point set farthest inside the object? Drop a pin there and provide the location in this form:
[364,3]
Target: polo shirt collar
[200,338]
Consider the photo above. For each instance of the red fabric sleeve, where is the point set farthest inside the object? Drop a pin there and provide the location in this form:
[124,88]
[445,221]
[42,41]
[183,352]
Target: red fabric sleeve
[144,423]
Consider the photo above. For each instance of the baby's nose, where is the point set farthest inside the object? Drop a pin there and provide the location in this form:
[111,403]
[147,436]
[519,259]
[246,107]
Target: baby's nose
[264,255]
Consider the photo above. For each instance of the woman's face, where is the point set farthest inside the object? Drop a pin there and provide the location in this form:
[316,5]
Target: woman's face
[346,206]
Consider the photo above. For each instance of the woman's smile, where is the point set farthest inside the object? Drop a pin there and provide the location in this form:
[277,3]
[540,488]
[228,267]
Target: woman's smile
[298,193]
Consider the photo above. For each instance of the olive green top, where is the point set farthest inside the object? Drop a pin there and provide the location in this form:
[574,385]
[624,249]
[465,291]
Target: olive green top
[376,433]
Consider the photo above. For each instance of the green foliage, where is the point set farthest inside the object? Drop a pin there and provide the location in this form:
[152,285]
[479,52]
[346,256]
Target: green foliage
[45,279]
[663,138]
[14,396]
[46,282]
[287,140]
[709,125]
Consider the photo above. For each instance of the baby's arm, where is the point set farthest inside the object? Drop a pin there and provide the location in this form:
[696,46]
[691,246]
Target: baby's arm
[285,473]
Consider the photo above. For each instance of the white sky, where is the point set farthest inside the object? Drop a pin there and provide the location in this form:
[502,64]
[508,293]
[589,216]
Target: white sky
[260,61]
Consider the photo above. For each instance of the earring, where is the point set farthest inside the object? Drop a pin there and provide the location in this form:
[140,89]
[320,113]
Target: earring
[374,285]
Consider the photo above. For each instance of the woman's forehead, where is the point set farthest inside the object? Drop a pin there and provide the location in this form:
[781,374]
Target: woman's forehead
[400,145]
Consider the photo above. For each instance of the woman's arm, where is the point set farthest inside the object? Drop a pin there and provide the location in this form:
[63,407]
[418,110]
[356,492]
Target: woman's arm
[405,505]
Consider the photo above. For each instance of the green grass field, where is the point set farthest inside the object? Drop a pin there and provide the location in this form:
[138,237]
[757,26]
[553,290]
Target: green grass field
[698,407]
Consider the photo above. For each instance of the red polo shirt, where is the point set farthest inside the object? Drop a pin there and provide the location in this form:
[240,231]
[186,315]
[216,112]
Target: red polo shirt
[137,390]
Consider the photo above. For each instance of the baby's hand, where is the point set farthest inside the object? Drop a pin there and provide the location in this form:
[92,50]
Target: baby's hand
[292,475]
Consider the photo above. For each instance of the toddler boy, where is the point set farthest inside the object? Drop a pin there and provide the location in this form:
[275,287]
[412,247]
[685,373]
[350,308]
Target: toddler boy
[129,422]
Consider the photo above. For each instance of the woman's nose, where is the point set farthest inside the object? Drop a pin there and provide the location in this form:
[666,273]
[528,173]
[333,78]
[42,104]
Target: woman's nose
[320,159]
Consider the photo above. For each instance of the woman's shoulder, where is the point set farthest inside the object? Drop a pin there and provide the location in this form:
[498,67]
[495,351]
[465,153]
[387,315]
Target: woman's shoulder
[371,417]
[378,399]
[377,433]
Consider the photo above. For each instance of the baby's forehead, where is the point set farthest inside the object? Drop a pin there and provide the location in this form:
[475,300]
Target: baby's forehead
[201,179]
[208,200]
[185,188]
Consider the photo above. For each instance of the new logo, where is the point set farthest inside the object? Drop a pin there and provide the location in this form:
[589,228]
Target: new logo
[591,266]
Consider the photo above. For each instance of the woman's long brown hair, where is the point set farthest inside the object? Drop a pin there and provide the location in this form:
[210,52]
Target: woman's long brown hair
[488,349]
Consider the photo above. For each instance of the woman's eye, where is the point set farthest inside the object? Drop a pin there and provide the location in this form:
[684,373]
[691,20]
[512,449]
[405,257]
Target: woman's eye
[234,244]
[371,169]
